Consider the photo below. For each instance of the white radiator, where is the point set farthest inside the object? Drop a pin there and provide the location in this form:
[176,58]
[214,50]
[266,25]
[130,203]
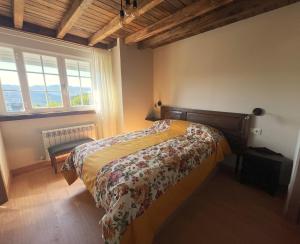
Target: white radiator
[61,135]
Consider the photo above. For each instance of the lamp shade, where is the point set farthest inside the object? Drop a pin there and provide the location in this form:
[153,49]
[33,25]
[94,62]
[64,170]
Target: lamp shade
[258,111]
[152,115]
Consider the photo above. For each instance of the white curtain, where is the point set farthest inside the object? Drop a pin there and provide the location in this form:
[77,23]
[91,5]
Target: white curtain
[107,99]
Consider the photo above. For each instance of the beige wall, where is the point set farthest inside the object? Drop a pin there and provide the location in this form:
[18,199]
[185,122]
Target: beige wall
[4,168]
[248,64]
[23,139]
[137,86]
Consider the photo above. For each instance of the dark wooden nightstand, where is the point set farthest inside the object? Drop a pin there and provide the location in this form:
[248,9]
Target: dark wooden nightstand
[269,171]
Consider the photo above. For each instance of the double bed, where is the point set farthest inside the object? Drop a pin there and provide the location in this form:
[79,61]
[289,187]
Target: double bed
[141,178]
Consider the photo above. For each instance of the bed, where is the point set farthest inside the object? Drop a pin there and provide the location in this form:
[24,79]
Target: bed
[141,178]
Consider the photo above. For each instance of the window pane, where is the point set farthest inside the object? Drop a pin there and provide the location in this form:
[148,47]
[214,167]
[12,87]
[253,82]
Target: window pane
[52,82]
[43,80]
[9,80]
[7,59]
[72,67]
[13,101]
[73,82]
[84,69]
[86,83]
[86,89]
[74,91]
[32,62]
[54,99]
[36,82]
[50,65]
[87,98]
[38,99]
[75,100]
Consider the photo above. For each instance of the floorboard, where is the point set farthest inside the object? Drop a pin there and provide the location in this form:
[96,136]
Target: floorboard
[44,209]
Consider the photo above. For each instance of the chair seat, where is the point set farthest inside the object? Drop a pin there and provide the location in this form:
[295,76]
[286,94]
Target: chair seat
[66,147]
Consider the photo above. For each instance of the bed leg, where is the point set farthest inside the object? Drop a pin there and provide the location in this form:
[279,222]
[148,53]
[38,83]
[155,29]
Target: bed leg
[54,163]
[237,165]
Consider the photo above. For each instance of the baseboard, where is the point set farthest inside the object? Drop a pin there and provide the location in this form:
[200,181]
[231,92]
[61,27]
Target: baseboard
[35,166]
[31,167]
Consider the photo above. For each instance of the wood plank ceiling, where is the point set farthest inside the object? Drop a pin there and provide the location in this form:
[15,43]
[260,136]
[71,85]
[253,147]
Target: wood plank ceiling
[154,23]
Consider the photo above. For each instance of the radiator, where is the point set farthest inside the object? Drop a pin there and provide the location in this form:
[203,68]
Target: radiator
[61,135]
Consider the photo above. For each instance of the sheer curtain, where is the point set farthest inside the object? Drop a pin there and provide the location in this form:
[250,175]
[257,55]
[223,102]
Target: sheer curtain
[107,99]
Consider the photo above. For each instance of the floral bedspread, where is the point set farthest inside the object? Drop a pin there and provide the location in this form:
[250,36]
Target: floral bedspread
[126,187]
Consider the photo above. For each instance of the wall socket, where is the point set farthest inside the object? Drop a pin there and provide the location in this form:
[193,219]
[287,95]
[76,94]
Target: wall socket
[256,131]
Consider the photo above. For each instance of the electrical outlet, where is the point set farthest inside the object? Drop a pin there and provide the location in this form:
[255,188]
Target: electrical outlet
[256,131]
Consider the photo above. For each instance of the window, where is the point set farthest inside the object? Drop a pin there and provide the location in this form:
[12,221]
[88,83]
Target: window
[79,82]
[43,81]
[32,82]
[9,80]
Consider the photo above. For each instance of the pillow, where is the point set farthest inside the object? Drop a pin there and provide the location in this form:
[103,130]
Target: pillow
[195,130]
[161,124]
[204,132]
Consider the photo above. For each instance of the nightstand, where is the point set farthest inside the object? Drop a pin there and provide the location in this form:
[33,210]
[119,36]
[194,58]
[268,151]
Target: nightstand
[265,169]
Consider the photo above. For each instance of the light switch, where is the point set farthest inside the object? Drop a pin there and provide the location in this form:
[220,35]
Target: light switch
[256,131]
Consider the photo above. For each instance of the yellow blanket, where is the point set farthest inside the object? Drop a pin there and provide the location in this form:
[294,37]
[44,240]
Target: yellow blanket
[144,228]
[94,162]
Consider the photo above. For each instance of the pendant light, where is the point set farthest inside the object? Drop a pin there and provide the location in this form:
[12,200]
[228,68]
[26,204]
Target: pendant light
[128,2]
[122,12]
[134,4]
[128,6]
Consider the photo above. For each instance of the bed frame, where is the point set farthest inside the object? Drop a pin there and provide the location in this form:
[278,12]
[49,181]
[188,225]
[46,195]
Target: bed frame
[235,126]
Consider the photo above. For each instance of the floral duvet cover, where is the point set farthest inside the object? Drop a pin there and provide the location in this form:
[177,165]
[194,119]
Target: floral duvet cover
[126,187]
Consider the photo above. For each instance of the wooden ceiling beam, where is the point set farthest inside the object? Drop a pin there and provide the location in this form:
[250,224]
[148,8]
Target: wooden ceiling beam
[73,14]
[18,13]
[116,24]
[186,14]
[236,11]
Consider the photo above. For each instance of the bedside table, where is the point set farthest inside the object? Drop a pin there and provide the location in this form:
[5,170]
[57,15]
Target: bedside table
[268,171]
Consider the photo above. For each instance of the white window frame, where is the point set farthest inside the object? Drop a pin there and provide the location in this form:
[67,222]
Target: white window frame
[93,86]
[62,72]
[2,100]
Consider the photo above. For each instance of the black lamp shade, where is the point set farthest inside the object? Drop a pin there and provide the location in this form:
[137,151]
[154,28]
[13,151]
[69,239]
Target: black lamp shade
[134,4]
[258,111]
[122,13]
[152,116]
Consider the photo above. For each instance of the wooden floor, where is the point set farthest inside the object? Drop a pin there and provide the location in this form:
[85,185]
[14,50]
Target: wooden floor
[44,209]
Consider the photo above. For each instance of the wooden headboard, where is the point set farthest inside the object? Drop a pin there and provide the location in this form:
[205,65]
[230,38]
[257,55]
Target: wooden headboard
[235,126]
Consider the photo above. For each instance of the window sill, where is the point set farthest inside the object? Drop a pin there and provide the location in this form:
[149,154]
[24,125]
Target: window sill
[43,115]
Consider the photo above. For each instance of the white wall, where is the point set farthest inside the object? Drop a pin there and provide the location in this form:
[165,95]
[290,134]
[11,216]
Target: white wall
[135,69]
[4,168]
[251,63]
[22,138]
[132,71]
[46,44]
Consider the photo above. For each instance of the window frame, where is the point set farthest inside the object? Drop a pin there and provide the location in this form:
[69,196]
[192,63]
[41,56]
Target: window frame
[93,86]
[2,99]
[62,73]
